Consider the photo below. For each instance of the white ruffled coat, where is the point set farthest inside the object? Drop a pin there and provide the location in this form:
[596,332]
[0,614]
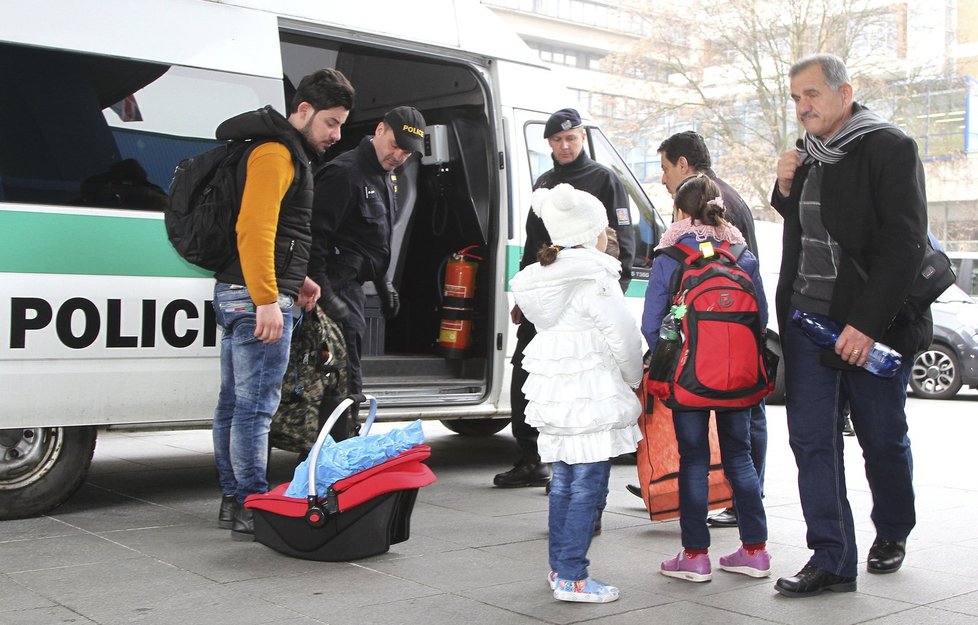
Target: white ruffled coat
[584,360]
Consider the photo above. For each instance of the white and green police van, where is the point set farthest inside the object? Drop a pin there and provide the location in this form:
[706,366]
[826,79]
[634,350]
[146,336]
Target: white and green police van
[102,324]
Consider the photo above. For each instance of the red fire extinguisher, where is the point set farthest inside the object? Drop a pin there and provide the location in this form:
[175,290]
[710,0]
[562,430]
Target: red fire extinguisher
[458,302]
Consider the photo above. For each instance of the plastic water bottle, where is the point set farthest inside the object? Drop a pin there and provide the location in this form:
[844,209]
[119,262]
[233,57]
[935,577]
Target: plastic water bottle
[664,356]
[882,360]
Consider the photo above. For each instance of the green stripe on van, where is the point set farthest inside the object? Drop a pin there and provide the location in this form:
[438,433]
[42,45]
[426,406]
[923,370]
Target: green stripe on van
[86,244]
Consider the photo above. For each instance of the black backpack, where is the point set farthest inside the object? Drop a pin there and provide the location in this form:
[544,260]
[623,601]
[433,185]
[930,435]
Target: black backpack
[205,196]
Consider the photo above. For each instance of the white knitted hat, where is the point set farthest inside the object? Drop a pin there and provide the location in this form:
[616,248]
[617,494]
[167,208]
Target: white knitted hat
[571,217]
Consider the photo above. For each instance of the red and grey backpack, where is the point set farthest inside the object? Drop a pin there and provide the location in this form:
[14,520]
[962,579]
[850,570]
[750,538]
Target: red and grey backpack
[720,365]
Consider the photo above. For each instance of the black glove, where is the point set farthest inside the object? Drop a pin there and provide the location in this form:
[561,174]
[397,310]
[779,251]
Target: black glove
[335,308]
[390,301]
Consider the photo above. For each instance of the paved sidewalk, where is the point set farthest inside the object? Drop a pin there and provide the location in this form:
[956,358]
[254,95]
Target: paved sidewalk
[139,544]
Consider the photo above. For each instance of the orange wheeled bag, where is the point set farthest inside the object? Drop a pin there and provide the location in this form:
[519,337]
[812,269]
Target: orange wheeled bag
[658,461]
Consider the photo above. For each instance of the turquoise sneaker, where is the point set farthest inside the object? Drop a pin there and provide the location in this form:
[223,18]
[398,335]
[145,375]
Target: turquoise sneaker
[584,591]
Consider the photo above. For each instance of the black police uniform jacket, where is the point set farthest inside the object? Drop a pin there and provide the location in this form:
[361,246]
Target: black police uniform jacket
[874,206]
[584,174]
[352,216]
[292,236]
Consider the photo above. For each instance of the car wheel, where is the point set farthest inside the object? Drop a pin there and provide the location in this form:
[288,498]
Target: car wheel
[936,373]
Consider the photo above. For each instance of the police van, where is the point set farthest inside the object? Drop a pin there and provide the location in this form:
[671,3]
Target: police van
[103,324]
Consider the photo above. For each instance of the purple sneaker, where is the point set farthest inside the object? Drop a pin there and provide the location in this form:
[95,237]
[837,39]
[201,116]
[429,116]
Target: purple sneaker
[757,564]
[693,568]
[585,591]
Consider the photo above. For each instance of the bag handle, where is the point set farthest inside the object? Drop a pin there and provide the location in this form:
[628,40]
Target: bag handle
[333,418]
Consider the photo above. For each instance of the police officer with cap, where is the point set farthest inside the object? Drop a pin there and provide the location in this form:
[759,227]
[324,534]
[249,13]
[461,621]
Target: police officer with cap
[353,211]
[565,134]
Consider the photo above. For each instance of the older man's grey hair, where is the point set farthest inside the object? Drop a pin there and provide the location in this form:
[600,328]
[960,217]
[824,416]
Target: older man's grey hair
[833,69]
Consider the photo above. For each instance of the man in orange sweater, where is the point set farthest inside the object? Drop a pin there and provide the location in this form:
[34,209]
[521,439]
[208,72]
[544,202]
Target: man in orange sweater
[254,296]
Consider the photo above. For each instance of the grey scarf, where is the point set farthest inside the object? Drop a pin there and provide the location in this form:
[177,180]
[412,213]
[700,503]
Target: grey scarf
[862,122]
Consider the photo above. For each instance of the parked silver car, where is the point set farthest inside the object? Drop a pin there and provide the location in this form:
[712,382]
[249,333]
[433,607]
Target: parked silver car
[951,361]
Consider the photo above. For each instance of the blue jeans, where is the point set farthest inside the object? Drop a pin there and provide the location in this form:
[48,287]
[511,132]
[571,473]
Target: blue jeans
[576,490]
[733,432]
[815,397]
[251,387]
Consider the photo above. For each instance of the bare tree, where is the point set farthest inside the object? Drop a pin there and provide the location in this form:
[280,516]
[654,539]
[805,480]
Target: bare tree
[727,65]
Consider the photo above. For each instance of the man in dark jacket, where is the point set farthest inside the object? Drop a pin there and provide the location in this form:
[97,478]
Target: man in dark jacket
[253,298]
[354,207]
[565,133]
[855,230]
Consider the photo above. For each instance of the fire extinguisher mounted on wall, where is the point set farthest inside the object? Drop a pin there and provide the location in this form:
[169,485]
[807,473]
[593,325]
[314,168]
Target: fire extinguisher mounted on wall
[458,302]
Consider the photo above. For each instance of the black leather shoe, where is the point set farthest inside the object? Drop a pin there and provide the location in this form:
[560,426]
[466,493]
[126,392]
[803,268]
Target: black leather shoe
[224,519]
[725,518]
[536,474]
[886,556]
[243,524]
[634,489]
[811,581]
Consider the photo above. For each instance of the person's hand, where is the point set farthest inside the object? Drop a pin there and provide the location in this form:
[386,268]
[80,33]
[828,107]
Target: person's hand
[268,323]
[308,294]
[335,308]
[390,301]
[853,346]
[787,164]
[516,315]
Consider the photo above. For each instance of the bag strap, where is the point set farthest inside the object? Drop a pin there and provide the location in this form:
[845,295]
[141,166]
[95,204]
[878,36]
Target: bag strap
[686,256]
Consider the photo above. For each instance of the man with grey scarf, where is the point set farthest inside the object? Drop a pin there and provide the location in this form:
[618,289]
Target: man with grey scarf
[855,230]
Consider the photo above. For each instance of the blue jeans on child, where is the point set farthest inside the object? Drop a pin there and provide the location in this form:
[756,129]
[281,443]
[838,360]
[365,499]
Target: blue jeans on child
[251,387]
[733,432]
[576,490]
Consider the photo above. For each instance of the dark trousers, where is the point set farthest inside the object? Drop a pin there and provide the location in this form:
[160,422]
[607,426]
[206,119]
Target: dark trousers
[815,397]
[526,436]
[354,326]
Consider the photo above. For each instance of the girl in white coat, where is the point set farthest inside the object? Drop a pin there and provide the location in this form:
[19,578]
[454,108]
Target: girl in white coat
[583,365]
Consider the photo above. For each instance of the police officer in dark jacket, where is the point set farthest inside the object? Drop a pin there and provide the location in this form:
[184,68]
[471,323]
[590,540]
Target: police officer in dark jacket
[572,165]
[353,210]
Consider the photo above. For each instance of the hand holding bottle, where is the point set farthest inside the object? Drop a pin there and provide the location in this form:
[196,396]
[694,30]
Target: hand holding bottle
[824,331]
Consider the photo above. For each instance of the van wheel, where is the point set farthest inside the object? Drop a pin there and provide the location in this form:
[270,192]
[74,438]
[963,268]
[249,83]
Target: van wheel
[40,468]
[475,427]
[936,373]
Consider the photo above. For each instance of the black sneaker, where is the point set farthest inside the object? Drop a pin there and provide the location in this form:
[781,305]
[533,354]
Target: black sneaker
[536,474]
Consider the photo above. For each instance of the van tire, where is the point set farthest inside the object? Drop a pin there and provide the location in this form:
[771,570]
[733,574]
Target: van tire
[63,456]
[475,427]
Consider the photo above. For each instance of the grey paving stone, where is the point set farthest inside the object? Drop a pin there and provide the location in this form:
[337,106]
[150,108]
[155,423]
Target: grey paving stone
[442,609]
[680,613]
[15,597]
[64,551]
[43,616]
[829,608]
[123,582]
[924,616]
[916,585]
[963,604]
[32,529]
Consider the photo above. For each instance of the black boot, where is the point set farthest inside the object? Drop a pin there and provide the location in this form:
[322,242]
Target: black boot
[243,524]
[224,515]
[529,474]
[886,556]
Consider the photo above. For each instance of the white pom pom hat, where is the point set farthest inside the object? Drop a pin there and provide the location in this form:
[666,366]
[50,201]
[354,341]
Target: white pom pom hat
[571,217]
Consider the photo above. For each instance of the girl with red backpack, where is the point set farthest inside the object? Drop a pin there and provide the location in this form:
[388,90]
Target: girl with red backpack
[701,225]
